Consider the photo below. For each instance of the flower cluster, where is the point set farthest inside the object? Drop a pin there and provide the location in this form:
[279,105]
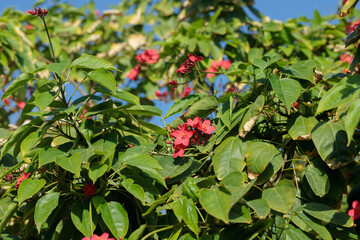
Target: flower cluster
[215,67]
[38,12]
[195,130]
[147,57]
[346,58]
[21,178]
[185,92]
[189,64]
[355,211]
[104,236]
[89,189]
[161,95]
[174,84]
[19,104]
[351,26]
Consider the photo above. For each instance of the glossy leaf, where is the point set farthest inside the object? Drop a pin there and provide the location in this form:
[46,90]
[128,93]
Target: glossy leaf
[216,202]
[318,228]
[44,207]
[281,197]
[181,105]
[82,218]
[287,89]
[104,78]
[240,213]
[317,179]
[190,216]
[71,164]
[352,119]
[92,62]
[135,189]
[115,218]
[302,70]
[302,127]
[29,187]
[48,155]
[228,157]
[17,84]
[328,214]
[258,156]
[260,206]
[96,171]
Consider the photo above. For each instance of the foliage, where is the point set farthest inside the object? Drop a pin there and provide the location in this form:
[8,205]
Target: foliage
[270,151]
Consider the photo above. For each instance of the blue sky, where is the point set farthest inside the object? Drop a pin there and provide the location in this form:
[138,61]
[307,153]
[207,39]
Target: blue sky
[276,9]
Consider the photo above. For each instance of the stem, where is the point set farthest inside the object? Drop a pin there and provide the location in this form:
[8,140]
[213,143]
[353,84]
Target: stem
[157,230]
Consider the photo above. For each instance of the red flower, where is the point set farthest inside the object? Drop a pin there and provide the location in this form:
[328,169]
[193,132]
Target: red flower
[193,123]
[89,189]
[7,101]
[344,2]
[215,67]
[104,236]
[346,58]
[21,178]
[186,92]
[189,64]
[182,135]
[9,177]
[296,105]
[29,27]
[133,74]
[149,56]
[206,127]
[160,95]
[21,104]
[179,150]
[355,211]
[174,84]
[38,12]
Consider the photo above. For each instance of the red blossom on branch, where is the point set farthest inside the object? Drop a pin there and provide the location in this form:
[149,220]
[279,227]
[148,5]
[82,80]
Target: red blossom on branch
[133,74]
[189,64]
[186,91]
[89,189]
[38,12]
[162,95]
[346,58]
[21,178]
[21,104]
[193,131]
[215,65]
[174,84]
[149,56]
[104,236]
[355,211]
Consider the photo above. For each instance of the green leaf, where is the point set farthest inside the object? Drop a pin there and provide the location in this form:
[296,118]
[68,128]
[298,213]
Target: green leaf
[17,84]
[287,89]
[104,78]
[204,47]
[352,119]
[240,213]
[226,111]
[302,70]
[81,218]
[29,187]
[234,182]
[115,218]
[146,110]
[292,233]
[97,170]
[147,164]
[260,206]
[44,99]
[317,179]
[348,6]
[58,67]
[201,108]
[345,91]
[71,164]
[135,189]
[92,62]
[137,233]
[302,127]
[216,202]
[181,104]
[120,94]
[173,167]
[328,214]
[258,156]
[48,155]
[281,197]
[190,216]
[330,140]
[228,157]
[318,228]
[44,207]
[29,142]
